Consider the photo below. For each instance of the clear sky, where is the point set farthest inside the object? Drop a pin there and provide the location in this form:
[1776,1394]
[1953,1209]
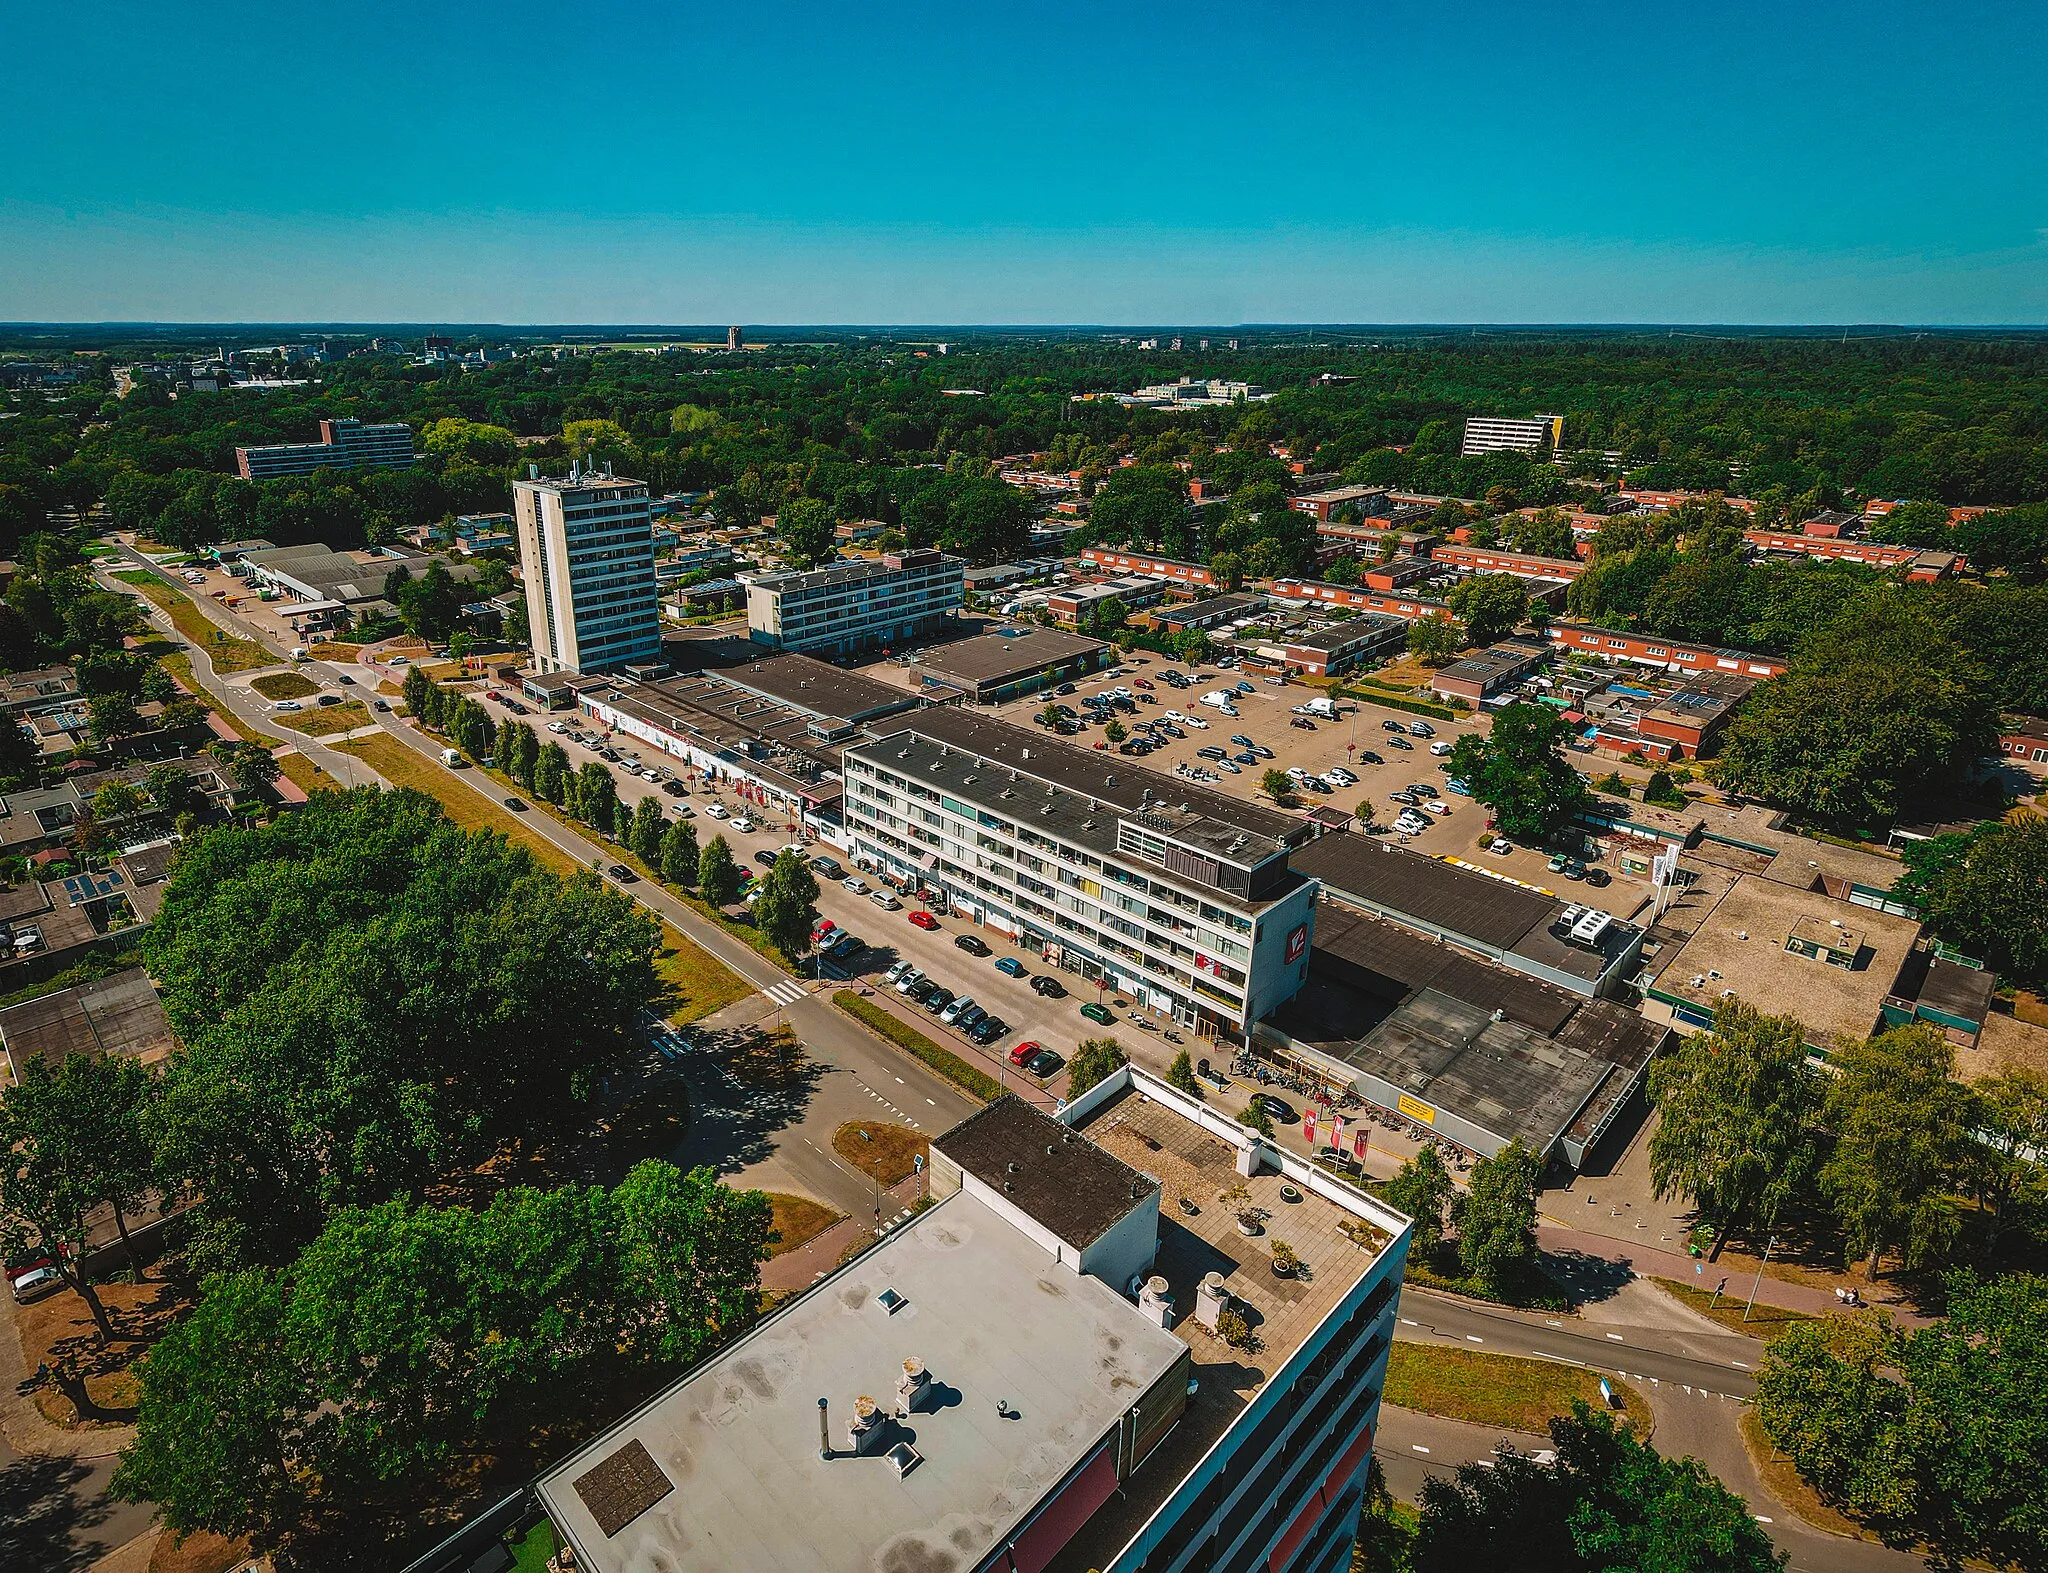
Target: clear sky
[1156,163]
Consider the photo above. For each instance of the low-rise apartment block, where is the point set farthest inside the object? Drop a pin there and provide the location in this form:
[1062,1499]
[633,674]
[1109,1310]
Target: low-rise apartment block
[1078,605]
[1508,433]
[1331,651]
[1122,875]
[904,598]
[343,445]
[1146,565]
[1406,607]
[1649,650]
[1523,565]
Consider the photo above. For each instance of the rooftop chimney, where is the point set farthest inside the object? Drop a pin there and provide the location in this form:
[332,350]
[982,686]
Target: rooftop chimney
[824,1432]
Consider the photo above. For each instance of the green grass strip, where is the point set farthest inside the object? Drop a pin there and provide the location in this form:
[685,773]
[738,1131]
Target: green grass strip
[904,1036]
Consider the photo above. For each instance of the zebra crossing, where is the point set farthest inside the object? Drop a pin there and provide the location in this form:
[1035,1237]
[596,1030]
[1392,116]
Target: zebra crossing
[787,992]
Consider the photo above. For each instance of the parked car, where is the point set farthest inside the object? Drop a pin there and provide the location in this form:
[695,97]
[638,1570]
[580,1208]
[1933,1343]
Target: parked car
[716,810]
[1024,1051]
[856,884]
[36,1283]
[823,927]
[971,943]
[765,858]
[1011,966]
[1599,878]
[909,981]
[1044,1063]
[953,1009]
[1051,988]
[1273,1108]
[1098,1013]
[1440,748]
[1303,723]
[847,945]
[1421,729]
[1401,743]
[938,999]
[923,920]
[886,900]
[988,1029]
[1390,726]
[1500,846]
[895,973]
[744,825]
[829,867]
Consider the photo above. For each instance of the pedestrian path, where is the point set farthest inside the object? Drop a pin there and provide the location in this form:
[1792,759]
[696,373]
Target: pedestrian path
[785,993]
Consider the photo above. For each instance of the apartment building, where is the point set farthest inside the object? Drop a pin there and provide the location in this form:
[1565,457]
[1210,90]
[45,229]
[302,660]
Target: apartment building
[586,554]
[1331,651]
[1055,1390]
[1144,883]
[1647,650]
[1408,608]
[1498,433]
[845,607]
[1370,502]
[1148,565]
[1523,565]
[343,445]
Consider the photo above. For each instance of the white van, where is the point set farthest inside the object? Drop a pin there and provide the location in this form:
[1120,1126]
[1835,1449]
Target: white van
[452,758]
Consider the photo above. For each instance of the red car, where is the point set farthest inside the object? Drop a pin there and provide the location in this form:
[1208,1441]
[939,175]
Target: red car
[1141,682]
[825,926]
[1102,745]
[1023,1052]
[924,920]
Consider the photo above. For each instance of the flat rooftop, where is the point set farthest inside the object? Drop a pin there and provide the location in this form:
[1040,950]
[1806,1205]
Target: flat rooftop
[1087,786]
[120,1014]
[992,657]
[1738,947]
[734,1445]
[1073,1187]
[1440,894]
[1190,1162]
[1351,631]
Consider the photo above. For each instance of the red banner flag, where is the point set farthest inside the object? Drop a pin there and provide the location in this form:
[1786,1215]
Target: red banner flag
[1308,1127]
[1358,1144]
[1337,1134]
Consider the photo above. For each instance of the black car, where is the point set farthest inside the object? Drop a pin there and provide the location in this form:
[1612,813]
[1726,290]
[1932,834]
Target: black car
[381,705]
[624,875]
[921,990]
[330,699]
[988,1029]
[1598,878]
[1043,1063]
[1064,689]
[1392,726]
[971,944]
[1367,757]
[516,804]
[938,999]
[1051,988]
[829,867]
[344,679]
[1273,1108]
[1401,743]
[765,858]
[845,946]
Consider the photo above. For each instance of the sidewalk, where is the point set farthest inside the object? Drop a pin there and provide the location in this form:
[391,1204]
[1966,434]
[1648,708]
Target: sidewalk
[800,1268]
[1654,1262]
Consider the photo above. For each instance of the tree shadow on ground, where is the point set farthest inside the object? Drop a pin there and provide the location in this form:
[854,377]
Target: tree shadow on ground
[44,1514]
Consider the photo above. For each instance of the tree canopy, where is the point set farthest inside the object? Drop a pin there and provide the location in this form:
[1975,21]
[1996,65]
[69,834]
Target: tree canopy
[367,995]
[1519,771]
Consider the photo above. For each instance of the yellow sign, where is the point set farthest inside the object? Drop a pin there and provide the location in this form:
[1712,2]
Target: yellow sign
[1416,1110]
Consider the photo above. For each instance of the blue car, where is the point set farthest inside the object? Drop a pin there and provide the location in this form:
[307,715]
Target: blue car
[1457,786]
[1011,965]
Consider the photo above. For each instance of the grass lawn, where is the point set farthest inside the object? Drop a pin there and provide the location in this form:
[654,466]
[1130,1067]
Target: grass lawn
[1497,1390]
[697,981]
[1781,1478]
[904,1036]
[798,1220]
[530,1552]
[1765,1321]
[325,651]
[884,1151]
[304,774]
[327,719]
[467,807]
[284,685]
[179,664]
[229,653]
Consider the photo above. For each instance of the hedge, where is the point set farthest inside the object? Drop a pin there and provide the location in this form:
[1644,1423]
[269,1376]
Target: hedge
[904,1036]
[1415,706]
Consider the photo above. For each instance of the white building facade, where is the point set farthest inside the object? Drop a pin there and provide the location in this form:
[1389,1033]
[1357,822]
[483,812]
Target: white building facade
[586,553]
[1195,916]
[844,607]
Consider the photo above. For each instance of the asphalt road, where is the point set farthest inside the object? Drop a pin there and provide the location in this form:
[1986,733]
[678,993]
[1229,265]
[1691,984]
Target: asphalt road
[55,1514]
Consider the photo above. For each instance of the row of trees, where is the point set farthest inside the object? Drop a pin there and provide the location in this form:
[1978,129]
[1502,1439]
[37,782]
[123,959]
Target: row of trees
[786,908]
[1905,1159]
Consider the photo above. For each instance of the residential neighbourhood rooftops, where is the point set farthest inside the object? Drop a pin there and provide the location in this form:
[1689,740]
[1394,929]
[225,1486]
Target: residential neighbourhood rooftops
[118,1015]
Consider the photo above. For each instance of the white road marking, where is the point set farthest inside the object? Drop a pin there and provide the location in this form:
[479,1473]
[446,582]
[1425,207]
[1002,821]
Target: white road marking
[934,1102]
[1762,1520]
[1617,1338]
[1409,1321]
[1417,1447]
[1738,1365]
[1474,1338]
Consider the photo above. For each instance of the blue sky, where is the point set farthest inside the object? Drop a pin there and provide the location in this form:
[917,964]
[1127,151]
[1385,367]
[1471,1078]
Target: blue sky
[1115,163]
